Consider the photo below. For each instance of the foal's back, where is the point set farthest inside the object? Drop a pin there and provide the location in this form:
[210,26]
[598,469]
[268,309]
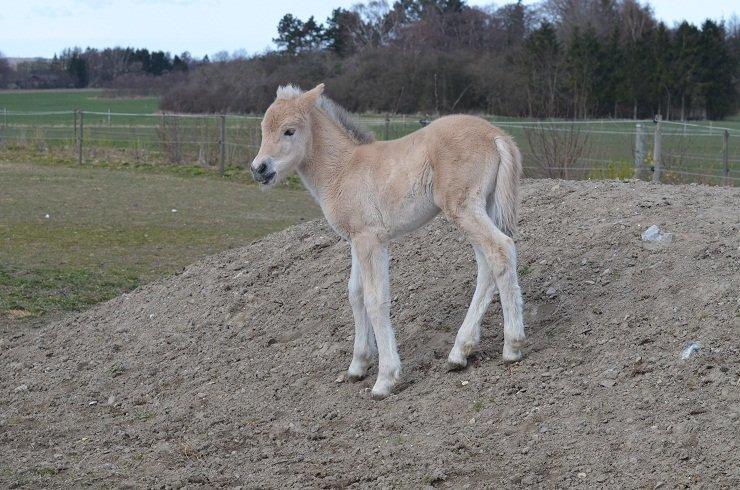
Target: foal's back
[408,180]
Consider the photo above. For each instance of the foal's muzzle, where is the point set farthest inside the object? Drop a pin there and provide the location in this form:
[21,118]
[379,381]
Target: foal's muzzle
[262,171]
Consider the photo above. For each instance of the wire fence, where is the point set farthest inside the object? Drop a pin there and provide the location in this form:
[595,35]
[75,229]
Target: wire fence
[662,151]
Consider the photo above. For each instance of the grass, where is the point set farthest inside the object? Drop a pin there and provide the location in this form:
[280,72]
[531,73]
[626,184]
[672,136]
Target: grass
[69,100]
[110,229]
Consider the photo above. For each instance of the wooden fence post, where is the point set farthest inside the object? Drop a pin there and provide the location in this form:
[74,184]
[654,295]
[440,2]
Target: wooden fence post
[657,148]
[726,156]
[5,118]
[386,131]
[222,144]
[80,139]
[75,114]
[639,151]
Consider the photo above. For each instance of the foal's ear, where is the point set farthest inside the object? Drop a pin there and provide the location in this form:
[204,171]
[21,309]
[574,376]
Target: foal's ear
[310,97]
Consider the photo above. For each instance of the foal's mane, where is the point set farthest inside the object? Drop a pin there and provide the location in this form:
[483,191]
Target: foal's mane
[344,119]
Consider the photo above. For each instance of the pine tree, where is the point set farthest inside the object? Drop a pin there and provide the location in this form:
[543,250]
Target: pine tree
[542,67]
[686,61]
[716,68]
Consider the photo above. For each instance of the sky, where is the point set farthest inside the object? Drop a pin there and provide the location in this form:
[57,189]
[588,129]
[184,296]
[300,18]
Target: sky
[31,28]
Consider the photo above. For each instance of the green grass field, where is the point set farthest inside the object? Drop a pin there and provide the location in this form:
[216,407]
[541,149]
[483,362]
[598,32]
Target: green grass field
[71,237]
[70,100]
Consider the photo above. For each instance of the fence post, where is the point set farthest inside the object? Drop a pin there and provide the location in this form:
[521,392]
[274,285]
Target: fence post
[75,114]
[386,131]
[639,151]
[79,139]
[657,149]
[726,156]
[222,144]
[109,117]
[5,118]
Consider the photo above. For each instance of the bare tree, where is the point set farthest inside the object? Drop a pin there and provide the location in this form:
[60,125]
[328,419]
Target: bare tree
[558,151]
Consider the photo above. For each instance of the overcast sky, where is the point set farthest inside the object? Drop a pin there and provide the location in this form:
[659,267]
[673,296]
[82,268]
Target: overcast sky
[43,27]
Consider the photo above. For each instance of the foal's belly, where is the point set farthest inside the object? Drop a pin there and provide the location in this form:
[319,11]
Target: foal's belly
[411,215]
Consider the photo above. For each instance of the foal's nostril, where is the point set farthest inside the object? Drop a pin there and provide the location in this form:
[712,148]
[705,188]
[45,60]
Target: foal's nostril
[262,168]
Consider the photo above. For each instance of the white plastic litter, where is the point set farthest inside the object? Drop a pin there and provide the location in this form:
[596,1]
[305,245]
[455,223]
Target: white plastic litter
[690,349]
[654,234]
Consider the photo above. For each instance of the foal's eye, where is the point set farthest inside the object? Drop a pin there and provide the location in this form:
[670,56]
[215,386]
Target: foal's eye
[289,132]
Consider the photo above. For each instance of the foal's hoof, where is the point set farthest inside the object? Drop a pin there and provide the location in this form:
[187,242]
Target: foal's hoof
[456,365]
[456,361]
[354,377]
[384,386]
[356,371]
[513,353]
[380,393]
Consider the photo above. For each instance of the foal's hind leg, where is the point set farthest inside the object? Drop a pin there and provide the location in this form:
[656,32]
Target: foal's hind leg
[500,254]
[468,337]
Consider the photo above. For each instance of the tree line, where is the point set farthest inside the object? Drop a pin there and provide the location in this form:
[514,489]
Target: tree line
[558,58]
[77,68]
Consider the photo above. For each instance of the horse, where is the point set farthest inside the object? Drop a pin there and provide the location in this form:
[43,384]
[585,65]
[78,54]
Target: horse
[372,192]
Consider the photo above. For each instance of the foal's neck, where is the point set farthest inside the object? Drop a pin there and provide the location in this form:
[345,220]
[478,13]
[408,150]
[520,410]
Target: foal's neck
[331,149]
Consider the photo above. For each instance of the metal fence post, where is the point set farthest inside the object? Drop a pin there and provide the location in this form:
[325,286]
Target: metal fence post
[639,151]
[222,144]
[657,148]
[79,139]
[726,156]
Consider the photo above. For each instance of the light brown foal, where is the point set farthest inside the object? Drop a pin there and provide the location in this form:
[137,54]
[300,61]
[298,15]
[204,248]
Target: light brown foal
[374,191]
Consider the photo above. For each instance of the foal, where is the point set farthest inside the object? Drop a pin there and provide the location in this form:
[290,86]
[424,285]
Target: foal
[374,191]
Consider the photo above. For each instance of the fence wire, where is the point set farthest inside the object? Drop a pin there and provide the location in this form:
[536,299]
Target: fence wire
[687,152]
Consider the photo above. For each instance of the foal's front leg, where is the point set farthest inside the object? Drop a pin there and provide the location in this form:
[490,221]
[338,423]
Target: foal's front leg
[372,256]
[364,339]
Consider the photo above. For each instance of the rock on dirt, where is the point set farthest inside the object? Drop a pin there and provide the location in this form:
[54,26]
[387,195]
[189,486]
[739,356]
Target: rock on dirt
[223,375]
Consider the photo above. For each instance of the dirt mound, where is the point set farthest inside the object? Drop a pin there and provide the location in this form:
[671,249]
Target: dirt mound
[224,375]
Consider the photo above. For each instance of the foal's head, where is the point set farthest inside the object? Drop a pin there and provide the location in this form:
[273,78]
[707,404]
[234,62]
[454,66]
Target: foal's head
[286,134]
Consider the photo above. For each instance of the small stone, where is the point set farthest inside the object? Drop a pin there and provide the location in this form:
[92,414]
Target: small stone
[551,292]
[92,403]
[582,475]
[607,383]
[525,450]
[111,400]
[21,388]
[464,383]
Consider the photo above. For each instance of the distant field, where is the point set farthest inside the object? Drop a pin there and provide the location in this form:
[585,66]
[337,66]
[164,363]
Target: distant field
[692,152]
[71,237]
[69,100]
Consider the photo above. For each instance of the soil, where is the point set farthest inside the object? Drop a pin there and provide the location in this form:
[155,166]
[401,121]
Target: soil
[224,375]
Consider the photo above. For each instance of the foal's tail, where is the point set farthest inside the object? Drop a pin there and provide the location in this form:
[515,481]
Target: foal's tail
[504,205]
